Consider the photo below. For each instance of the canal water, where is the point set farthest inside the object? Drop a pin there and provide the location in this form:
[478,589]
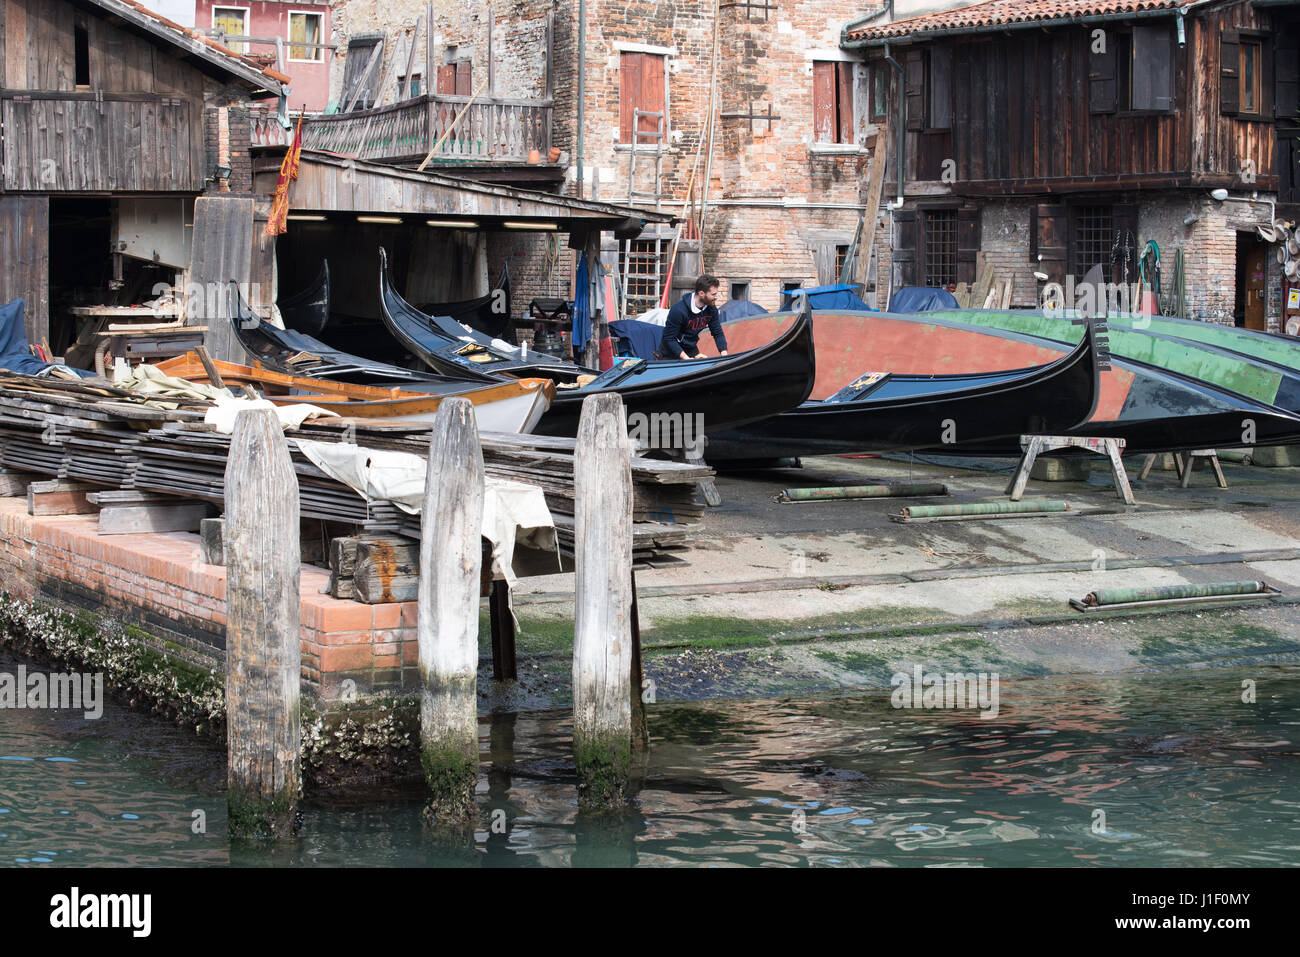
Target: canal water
[1157,769]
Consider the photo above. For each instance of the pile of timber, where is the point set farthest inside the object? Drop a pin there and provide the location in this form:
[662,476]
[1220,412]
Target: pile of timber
[106,438]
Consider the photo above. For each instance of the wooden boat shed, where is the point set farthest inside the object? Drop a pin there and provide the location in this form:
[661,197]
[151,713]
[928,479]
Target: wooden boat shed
[437,228]
[115,121]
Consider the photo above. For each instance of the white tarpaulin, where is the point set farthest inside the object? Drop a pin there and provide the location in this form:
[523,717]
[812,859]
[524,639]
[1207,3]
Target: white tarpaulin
[223,414]
[512,511]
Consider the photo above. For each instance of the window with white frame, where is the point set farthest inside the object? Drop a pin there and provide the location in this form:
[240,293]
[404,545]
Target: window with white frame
[306,28]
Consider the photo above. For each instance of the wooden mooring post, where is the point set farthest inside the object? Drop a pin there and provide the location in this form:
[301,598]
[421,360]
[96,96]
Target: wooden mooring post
[603,650]
[263,616]
[451,556]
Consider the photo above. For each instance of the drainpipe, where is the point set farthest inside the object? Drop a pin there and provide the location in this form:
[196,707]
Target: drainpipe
[1182,29]
[865,18]
[902,122]
[582,82]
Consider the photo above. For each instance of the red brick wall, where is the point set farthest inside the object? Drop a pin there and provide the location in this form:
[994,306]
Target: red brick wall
[159,583]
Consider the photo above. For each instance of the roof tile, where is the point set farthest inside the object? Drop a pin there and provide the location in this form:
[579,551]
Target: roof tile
[998,12]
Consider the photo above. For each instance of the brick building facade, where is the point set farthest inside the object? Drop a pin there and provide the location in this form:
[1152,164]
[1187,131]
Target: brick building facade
[784,194]
[1057,135]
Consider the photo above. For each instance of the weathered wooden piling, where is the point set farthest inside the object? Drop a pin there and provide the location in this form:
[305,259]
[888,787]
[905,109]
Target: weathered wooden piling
[602,640]
[263,656]
[451,558]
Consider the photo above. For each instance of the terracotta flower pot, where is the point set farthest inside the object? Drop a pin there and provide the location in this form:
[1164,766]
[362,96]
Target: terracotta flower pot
[554,155]
[534,156]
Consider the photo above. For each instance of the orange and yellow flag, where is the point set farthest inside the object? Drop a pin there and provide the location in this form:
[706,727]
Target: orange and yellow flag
[279,219]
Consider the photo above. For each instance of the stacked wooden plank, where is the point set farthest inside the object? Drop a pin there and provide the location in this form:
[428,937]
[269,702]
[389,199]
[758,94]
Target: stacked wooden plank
[90,432]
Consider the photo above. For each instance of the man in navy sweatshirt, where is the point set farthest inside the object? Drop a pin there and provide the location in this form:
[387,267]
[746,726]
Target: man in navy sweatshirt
[688,319]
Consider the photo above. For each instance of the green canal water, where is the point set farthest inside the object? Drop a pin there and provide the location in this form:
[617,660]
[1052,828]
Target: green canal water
[1157,769]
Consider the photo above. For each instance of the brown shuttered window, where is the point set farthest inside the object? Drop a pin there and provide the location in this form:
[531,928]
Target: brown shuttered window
[641,87]
[832,102]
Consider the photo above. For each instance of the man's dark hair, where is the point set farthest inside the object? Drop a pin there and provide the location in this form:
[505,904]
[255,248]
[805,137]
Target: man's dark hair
[706,282]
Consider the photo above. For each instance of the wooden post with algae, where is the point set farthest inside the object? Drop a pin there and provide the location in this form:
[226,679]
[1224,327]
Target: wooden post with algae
[451,557]
[263,625]
[602,640]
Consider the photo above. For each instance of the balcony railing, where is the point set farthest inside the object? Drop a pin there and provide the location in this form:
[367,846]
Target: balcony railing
[491,130]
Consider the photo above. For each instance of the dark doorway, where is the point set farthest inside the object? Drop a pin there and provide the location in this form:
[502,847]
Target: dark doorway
[1252,286]
[81,263]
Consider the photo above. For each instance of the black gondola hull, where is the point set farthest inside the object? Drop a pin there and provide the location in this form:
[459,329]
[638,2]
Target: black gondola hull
[935,410]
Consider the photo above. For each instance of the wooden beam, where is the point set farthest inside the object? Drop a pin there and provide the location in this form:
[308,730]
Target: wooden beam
[263,619]
[134,519]
[451,557]
[602,642]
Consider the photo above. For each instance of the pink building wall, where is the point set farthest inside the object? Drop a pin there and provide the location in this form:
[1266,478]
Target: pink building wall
[270,18]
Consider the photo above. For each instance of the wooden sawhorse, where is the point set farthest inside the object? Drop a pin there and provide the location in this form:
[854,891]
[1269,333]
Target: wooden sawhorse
[1185,468]
[1034,445]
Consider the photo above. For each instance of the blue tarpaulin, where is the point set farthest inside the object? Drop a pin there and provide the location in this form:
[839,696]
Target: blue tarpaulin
[643,337]
[921,299]
[734,309]
[839,296]
[581,307]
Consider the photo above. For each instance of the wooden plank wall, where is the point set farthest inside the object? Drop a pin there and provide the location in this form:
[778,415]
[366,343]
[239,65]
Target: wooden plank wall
[25,255]
[222,251]
[1021,112]
[1228,141]
[147,143]
[39,53]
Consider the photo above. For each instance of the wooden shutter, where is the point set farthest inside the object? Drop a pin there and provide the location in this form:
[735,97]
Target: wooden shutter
[463,85]
[844,102]
[907,237]
[1102,89]
[914,89]
[629,92]
[1229,72]
[824,120]
[652,95]
[1153,69]
[447,79]
[1286,76]
[968,244]
[1266,75]
[940,89]
[1050,231]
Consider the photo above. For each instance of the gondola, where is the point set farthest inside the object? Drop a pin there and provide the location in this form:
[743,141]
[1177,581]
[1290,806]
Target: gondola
[308,310]
[451,349]
[724,392]
[1262,380]
[488,314]
[889,412]
[296,353]
[515,406]
[1153,409]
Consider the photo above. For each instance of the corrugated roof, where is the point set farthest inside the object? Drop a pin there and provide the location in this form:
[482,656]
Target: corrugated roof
[1002,12]
[132,10]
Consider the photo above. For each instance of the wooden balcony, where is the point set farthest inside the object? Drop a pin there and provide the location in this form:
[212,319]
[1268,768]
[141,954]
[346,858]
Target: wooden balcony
[492,130]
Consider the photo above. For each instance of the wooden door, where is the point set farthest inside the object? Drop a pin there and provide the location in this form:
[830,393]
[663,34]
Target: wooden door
[220,253]
[25,259]
[1252,273]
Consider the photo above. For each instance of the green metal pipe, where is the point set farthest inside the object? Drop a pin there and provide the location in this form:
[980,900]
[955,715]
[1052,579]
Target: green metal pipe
[862,491]
[984,508]
[1122,596]
[1234,455]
